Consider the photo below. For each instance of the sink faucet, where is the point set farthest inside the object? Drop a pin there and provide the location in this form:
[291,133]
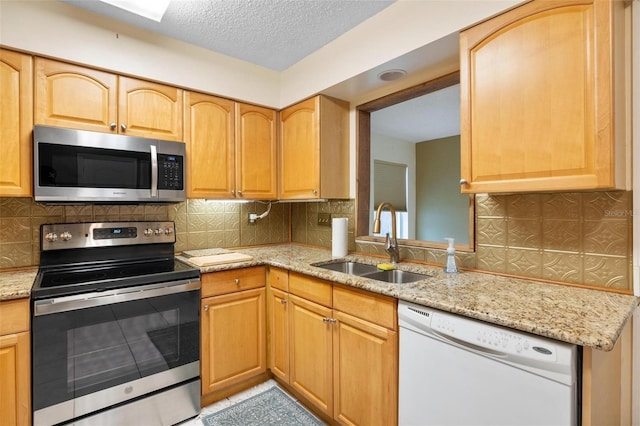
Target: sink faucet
[391,244]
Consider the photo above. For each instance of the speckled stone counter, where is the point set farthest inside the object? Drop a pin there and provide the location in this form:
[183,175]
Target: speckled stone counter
[16,284]
[584,317]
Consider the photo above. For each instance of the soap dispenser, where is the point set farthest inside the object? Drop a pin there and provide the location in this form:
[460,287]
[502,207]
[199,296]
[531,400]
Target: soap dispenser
[450,267]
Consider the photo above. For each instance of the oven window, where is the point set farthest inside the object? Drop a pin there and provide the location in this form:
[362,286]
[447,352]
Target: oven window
[75,166]
[83,351]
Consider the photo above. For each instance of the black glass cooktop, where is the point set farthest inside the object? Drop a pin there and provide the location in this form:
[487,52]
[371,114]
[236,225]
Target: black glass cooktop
[90,278]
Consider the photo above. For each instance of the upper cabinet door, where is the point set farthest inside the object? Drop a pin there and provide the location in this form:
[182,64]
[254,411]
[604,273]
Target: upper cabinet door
[209,135]
[256,172]
[150,110]
[300,151]
[75,97]
[537,99]
[16,125]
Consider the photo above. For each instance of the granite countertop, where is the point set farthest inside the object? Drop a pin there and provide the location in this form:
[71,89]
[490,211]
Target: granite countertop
[591,318]
[16,284]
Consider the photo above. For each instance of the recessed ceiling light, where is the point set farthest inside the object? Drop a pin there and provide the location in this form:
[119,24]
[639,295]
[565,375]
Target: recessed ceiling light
[149,9]
[391,75]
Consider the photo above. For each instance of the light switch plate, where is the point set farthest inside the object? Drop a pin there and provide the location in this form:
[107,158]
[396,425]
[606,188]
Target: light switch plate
[324,219]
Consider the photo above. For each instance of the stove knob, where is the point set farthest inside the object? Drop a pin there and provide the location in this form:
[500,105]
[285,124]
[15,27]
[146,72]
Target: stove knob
[66,236]
[51,237]
[148,232]
[168,231]
[159,231]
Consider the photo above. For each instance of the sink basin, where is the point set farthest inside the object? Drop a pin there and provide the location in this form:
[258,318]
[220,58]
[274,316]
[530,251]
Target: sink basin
[352,268]
[396,276]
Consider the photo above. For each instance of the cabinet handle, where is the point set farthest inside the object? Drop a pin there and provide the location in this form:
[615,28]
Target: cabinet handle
[314,191]
[113,126]
[123,127]
[333,320]
[463,181]
[240,193]
[206,308]
[233,192]
[283,302]
[325,320]
[237,280]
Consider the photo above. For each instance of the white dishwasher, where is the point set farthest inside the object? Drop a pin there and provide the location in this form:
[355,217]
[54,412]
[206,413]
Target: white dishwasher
[458,371]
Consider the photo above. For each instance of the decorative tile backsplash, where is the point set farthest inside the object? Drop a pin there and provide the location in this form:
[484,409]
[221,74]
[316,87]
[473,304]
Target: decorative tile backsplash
[199,224]
[582,238]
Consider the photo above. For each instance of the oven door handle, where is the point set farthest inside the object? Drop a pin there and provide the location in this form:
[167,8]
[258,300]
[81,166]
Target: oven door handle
[154,171]
[100,298]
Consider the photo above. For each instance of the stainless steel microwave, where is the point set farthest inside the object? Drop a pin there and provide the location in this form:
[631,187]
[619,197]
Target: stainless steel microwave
[78,166]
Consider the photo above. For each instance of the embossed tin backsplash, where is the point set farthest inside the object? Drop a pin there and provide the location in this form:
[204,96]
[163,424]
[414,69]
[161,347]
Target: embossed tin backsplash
[582,238]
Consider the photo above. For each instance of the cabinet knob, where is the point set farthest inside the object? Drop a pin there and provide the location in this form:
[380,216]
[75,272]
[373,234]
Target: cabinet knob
[233,192]
[325,320]
[206,308]
[283,302]
[240,193]
[237,280]
[463,181]
[314,191]
[333,320]
[113,126]
[123,127]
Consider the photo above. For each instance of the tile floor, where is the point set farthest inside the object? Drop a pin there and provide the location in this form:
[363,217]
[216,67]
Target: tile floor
[233,399]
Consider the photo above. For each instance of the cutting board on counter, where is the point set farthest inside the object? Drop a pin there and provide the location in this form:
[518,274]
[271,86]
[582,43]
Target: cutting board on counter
[219,259]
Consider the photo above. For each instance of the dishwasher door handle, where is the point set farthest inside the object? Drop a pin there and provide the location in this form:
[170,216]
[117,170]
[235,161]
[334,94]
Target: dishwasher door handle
[468,345]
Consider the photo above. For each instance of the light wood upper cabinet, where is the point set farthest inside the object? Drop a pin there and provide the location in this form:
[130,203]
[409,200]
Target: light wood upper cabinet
[231,149]
[314,149]
[209,135]
[542,99]
[150,110]
[256,147]
[77,97]
[16,125]
[15,366]
[72,96]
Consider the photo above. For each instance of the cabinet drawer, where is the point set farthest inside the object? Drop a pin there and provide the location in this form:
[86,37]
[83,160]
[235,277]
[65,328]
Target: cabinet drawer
[279,278]
[378,309]
[310,288]
[14,316]
[230,281]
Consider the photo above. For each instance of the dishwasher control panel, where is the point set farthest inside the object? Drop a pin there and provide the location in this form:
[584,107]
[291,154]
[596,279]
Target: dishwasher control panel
[492,338]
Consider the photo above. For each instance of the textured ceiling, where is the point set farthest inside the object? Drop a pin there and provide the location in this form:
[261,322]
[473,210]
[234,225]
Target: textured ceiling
[271,33]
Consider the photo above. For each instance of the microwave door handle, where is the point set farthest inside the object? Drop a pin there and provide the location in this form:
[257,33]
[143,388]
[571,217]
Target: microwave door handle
[154,171]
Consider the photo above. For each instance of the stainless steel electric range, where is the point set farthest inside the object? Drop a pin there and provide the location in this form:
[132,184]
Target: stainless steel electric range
[115,326]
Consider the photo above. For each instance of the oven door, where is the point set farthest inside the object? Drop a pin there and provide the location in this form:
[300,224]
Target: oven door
[92,351]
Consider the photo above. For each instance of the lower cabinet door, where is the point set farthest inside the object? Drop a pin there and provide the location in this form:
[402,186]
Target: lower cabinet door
[233,338]
[15,381]
[310,360]
[365,380]
[278,302]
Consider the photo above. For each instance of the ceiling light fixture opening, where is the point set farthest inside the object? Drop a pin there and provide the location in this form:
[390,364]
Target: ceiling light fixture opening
[153,10]
[392,75]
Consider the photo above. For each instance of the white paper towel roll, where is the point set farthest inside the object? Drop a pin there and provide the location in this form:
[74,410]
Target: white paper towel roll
[339,231]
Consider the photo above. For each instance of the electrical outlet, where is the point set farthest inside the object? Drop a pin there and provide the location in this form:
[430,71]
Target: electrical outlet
[324,219]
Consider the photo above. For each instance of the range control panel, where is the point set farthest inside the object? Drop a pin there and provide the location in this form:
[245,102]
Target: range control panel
[60,236]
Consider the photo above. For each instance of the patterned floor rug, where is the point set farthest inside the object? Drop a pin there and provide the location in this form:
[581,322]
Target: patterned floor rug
[271,407]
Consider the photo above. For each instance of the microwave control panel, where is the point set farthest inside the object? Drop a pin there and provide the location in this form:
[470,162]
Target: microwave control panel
[170,172]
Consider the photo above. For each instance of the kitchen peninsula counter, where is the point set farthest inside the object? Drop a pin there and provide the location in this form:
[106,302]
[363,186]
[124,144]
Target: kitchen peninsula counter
[590,318]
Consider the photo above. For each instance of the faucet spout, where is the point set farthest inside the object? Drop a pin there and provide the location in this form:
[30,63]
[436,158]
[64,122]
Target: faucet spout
[391,244]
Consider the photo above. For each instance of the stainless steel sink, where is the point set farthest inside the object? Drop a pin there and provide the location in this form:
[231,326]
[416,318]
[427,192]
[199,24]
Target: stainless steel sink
[352,268]
[395,276]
